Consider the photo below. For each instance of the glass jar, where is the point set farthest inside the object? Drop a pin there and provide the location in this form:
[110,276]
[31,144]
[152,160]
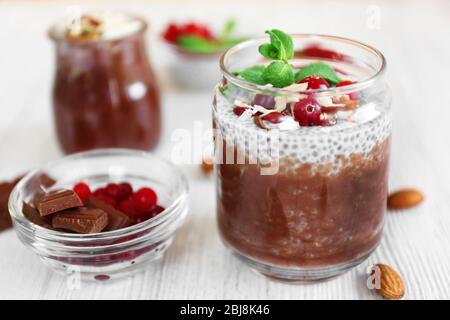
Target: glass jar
[105,92]
[303,203]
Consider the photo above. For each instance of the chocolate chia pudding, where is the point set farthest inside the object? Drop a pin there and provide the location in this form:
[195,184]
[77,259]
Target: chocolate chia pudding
[319,210]
[105,93]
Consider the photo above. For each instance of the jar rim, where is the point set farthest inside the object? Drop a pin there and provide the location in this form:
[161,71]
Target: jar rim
[357,86]
[53,35]
[53,235]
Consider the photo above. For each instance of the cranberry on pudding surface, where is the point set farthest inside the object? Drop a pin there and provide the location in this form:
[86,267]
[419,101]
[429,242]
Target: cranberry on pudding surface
[321,211]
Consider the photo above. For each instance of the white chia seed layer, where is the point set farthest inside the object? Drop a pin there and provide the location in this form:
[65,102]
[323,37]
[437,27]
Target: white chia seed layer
[370,125]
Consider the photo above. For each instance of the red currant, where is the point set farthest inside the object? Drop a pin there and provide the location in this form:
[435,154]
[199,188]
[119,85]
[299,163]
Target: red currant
[143,198]
[315,82]
[308,112]
[82,190]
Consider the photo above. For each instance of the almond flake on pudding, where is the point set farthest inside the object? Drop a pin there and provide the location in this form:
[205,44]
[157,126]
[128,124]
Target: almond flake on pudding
[256,108]
[328,102]
[85,27]
[288,123]
[240,103]
[296,87]
[253,109]
[247,114]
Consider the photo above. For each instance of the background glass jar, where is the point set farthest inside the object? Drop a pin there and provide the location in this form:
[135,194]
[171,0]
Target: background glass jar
[105,92]
[306,203]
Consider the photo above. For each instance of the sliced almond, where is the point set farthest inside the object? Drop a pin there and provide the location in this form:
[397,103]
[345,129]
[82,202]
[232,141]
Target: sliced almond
[405,198]
[390,283]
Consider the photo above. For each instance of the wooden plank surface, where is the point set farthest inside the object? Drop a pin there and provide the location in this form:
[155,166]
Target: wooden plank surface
[414,37]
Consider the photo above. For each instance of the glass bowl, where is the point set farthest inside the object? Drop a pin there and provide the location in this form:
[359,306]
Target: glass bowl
[185,67]
[113,254]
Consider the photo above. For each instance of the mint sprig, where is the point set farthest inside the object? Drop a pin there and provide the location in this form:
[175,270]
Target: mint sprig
[278,73]
[280,47]
[253,74]
[319,69]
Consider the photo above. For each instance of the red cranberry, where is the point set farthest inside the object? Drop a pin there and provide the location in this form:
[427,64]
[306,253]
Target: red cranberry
[107,199]
[273,117]
[264,100]
[143,198]
[100,191]
[128,207]
[308,112]
[82,190]
[125,191]
[102,277]
[172,32]
[155,210]
[151,212]
[315,82]
[353,95]
[318,52]
[195,29]
[112,190]
[344,83]
[239,110]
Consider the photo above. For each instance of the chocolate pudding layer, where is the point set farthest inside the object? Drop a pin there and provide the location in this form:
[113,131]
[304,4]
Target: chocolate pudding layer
[306,215]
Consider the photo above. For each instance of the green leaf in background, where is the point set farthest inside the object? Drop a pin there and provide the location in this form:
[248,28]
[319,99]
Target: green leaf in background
[281,46]
[197,44]
[228,28]
[279,74]
[319,69]
[253,74]
[229,42]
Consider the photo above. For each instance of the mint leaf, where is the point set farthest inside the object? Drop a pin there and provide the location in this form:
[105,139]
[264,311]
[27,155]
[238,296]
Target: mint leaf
[253,74]
[197,44]
[279,74]
[269,51]
[281,46]
[319,69]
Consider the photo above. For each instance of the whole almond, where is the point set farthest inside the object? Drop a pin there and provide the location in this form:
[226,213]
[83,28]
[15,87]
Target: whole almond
[405,198]
[391,285]
[207,166]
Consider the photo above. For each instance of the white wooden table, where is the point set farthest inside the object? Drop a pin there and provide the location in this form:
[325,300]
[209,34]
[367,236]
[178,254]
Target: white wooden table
[414,37]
